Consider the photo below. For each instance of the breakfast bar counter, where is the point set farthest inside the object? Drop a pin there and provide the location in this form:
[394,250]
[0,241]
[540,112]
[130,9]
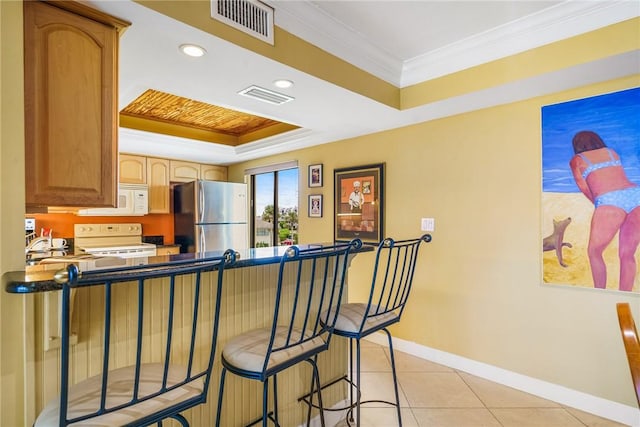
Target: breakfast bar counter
[41,277]
[246,303]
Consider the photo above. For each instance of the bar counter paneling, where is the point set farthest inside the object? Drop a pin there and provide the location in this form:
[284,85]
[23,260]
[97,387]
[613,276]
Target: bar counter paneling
[247,303]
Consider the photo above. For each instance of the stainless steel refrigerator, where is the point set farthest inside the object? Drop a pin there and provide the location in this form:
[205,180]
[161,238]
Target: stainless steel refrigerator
[210,216]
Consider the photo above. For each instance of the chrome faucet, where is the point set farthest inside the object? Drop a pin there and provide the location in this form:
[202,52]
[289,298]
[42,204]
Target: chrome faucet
[32,244]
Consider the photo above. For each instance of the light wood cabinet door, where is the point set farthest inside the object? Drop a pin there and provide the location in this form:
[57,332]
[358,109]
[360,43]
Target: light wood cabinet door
[158,180]
[133,169]
[184,171]
[70,105]
[213,172]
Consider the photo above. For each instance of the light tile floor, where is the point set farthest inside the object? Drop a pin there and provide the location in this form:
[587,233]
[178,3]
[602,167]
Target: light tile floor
[437,396]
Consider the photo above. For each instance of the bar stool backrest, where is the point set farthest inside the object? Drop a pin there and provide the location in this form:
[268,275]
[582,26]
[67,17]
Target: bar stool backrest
[392,280]
[314,279]
[631,344]
[158,330]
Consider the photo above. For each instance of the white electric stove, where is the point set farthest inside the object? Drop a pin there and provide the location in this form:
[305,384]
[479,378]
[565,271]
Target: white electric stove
[111,240]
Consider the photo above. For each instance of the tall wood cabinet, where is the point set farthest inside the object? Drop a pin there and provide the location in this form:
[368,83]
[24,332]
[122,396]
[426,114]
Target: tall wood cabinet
[71,59]
[159,190]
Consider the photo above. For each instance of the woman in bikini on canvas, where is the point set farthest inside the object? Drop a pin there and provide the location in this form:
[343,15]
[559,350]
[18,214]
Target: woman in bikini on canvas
[601,178]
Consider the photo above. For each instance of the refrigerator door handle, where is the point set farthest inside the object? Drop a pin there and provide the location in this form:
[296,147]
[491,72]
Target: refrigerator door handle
[202,241]
[201,196]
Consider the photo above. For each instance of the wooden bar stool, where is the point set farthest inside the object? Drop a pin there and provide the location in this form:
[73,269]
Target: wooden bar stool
[165,371]
[393,271]
[306,301]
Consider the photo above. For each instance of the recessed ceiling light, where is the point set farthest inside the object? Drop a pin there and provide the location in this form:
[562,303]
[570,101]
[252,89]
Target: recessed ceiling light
[192,50]
[282,83]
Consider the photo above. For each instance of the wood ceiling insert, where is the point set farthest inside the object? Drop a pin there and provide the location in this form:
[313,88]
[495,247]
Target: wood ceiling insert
[167,114]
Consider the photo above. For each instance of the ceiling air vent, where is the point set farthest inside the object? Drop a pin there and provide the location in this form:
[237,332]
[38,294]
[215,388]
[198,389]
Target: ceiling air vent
[265,95]
[249,16]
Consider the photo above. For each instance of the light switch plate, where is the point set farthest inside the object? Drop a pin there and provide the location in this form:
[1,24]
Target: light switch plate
[427,224]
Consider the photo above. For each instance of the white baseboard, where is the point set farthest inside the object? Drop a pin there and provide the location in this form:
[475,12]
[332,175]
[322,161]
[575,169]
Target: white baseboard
[585,402]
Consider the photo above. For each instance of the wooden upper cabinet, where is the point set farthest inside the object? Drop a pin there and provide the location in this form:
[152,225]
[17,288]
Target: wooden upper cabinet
[158,181]
[213,172]
[184,171]
[71,117]
[133,169]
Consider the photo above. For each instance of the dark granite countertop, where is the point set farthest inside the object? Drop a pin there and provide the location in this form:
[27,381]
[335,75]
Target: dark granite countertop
[37,279]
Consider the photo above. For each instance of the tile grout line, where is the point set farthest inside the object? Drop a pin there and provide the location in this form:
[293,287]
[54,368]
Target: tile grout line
[479,398]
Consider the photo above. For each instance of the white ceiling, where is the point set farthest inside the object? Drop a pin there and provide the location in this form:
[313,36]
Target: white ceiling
[401,42]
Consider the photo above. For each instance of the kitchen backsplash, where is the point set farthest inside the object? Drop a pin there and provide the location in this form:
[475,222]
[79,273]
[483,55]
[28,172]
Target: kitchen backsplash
[156,240]
[153,226]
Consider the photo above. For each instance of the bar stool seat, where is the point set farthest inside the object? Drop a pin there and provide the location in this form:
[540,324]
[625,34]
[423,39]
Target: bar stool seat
[352,316]
[85,396]
[247,352]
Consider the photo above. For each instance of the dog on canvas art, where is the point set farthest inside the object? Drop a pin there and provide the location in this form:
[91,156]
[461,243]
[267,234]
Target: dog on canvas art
[555,240]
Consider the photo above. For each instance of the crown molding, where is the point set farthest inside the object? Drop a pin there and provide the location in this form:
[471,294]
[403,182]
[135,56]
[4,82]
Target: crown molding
[310,23]
[558,22]
[296,138]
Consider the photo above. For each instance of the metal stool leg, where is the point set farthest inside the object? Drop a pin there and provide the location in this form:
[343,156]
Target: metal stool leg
[358,398]
[310,404]
[395,378]
[265,398]
[220,394]
[350,380]
[275,400]
[317,379]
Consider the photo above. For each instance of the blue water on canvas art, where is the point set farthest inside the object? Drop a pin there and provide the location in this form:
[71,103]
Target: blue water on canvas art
[614,116]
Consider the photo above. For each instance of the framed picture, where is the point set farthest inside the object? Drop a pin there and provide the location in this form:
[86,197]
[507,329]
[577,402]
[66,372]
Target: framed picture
[315,175]
[359,203]
[580,139]
[315,205]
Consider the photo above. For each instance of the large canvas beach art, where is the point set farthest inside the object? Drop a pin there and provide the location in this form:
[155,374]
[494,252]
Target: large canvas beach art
[591,192]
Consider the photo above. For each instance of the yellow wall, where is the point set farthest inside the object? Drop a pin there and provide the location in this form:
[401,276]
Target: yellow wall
[478,288]
[12,379]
